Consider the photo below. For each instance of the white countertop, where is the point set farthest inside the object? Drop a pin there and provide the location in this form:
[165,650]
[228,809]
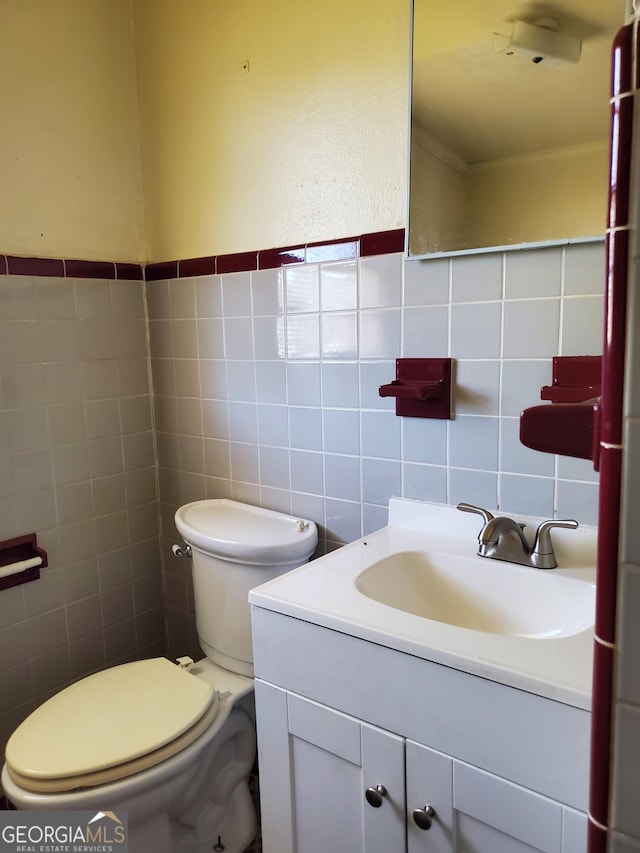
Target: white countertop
[324,592]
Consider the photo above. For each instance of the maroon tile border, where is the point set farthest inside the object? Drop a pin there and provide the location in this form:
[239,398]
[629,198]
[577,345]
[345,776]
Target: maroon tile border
[340,249]
[269,259]
[239,262]
[89,269]
[16,265]
[129,272]
[197,266]
[162,270]
[382,242]
[34,266]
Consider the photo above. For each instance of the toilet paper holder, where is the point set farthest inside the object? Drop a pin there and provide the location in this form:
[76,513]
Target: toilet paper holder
[20,560]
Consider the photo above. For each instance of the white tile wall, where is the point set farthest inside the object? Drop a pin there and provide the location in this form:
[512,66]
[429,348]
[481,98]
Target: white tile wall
[295,405]
[77,467]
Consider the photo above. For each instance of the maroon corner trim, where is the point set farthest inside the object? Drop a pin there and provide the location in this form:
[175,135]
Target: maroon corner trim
[89,269]
[382,242]
[3,265]
[35,266]
[336,250]
[238,262]
[597,838]
[269,259]
[129,272]
[609,498]
[637,54]
[615,310]
[622,61]
[601,716]
[197,266]
[620,166]
[160,271]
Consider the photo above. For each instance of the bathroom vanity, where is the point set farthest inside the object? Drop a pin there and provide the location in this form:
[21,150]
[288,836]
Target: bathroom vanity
[386,724]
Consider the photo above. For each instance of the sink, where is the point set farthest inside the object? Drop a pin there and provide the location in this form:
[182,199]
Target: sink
[418,586]
[481,594]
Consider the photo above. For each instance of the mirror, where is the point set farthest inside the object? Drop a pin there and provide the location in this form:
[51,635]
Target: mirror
[509,133]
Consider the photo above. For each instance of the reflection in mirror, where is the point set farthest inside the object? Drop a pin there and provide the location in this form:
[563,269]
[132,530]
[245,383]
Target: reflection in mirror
[510,121]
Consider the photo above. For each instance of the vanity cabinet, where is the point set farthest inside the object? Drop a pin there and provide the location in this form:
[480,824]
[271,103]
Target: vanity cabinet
[331,782]
[477,811]
[506,771]
[315,766]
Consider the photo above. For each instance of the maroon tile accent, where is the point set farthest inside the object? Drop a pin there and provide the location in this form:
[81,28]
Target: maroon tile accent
[620,166]
[608,533]
[622,61]
[597,838]
[130,272]
[89,269]
[601,713]
[337,250]
[375,243]
[160,271]
[269,259]
[239,262]
[197,266]
[382,242]
[637,55]
[615,316]
[35,266]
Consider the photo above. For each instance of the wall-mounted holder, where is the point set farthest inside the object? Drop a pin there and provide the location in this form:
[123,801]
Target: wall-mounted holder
[422,388]
[569,426]
[574,379]
[21,560]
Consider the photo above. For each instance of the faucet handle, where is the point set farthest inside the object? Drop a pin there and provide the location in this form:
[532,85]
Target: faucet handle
[542,555]
[486,515]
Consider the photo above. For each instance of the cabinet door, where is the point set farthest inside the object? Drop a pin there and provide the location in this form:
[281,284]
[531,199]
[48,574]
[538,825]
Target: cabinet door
[476,812]
[315,766]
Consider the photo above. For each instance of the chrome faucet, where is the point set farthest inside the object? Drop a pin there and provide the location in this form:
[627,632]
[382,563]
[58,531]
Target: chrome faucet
[502,538]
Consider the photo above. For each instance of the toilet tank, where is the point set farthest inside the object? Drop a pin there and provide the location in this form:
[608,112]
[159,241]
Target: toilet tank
[236,547]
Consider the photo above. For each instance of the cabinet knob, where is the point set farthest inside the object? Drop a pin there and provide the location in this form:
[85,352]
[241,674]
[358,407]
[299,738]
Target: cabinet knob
[375,795]
[423,817]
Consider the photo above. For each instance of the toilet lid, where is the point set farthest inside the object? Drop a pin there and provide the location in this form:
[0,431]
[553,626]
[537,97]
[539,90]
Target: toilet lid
[108,719]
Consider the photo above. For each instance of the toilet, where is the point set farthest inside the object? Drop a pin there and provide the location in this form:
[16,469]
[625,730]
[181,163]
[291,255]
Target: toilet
[171,744]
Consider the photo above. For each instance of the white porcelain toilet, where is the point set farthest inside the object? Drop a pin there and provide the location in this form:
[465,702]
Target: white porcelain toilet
[172,745]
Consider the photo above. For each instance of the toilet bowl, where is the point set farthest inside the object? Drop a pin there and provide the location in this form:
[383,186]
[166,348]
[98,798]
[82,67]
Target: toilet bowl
[171,745]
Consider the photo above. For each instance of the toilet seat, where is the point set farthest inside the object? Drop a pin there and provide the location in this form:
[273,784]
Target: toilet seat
[110,725]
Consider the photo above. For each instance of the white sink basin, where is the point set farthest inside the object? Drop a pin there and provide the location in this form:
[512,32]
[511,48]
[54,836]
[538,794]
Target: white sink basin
[418,586]
[481,594]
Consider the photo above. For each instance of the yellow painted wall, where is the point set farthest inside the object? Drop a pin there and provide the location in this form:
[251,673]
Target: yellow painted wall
[309,144]
[70,171]
[537,198]
[437,190]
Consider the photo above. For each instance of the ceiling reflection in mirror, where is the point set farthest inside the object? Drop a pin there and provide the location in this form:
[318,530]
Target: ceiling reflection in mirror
[510,122]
